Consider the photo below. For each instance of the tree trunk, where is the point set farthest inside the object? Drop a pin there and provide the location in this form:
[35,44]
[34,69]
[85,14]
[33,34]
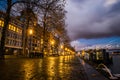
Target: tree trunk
[25,43]
[44,33]
[4,30]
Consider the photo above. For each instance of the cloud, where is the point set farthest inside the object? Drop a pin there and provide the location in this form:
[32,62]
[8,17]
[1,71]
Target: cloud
[92,19]
[78,45]
[110,2]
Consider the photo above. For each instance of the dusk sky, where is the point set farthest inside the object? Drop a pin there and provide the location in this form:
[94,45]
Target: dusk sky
[93,22]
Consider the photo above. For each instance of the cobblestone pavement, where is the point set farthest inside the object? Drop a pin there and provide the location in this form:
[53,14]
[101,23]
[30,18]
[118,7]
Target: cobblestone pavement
[48,68]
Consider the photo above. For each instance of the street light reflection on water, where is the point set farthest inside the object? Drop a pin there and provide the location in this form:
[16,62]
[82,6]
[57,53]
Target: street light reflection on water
[56,67]
[48,68]
[28,68]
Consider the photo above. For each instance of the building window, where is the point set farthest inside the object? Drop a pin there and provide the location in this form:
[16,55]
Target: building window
[20,44]
[1,23]
[10,26]
[17,30]
[20,31]
[7,41]
[14,28]
[17,44]
[8,34]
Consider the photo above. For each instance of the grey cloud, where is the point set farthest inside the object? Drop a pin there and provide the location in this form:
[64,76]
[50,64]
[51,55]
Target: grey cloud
[115,8]
[93,20]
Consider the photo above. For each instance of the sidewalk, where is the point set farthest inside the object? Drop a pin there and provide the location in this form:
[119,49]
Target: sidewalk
[91,73]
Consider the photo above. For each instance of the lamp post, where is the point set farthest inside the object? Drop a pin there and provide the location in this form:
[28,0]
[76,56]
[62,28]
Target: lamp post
[61,46]
[52,44]
[30,33]
[62,51]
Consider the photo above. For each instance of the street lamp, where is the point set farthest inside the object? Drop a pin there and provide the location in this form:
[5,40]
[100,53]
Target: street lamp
[62,50]
[30,32]
[52,45]
[52,42]
[61,46]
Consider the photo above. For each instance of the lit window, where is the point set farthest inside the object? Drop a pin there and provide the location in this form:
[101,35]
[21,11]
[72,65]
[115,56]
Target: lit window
[41,41]
[14,28]
[9,26]
[17,29]
[2,24]
[34,23]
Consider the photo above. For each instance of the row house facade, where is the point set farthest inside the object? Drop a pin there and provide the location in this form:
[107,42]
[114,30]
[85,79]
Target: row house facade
[16,33]
[16,42]
[13,42]
[15,37]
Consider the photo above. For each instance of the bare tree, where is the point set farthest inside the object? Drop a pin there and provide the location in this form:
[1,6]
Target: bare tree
[29,19]
[8,5]
[43,8]
[49,10]
[6,22]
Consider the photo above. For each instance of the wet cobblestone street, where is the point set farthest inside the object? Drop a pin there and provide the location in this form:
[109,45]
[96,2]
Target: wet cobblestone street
[48,68]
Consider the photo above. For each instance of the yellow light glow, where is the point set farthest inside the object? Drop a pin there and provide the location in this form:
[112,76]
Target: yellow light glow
[41,41]
[1,23]
[52,42]
[61,46]
[14,28]
[30,31]
[17,30]
[9,26]
[66,49]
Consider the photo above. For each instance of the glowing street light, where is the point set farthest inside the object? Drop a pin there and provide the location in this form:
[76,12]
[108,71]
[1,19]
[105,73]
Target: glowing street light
[52,42]
[52,45]
[30,31]
[61,46]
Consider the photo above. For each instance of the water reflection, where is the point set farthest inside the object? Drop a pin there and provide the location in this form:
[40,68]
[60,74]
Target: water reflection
[28,70]
[51,64]
[31,68]
[48,68]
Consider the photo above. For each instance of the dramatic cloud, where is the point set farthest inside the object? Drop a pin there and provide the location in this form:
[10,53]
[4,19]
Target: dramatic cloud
[93,18]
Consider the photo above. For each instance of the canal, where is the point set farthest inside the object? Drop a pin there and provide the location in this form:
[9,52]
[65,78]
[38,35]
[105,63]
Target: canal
[115,67]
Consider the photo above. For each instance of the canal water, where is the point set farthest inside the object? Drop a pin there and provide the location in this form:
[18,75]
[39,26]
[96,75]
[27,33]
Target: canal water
[115,67]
